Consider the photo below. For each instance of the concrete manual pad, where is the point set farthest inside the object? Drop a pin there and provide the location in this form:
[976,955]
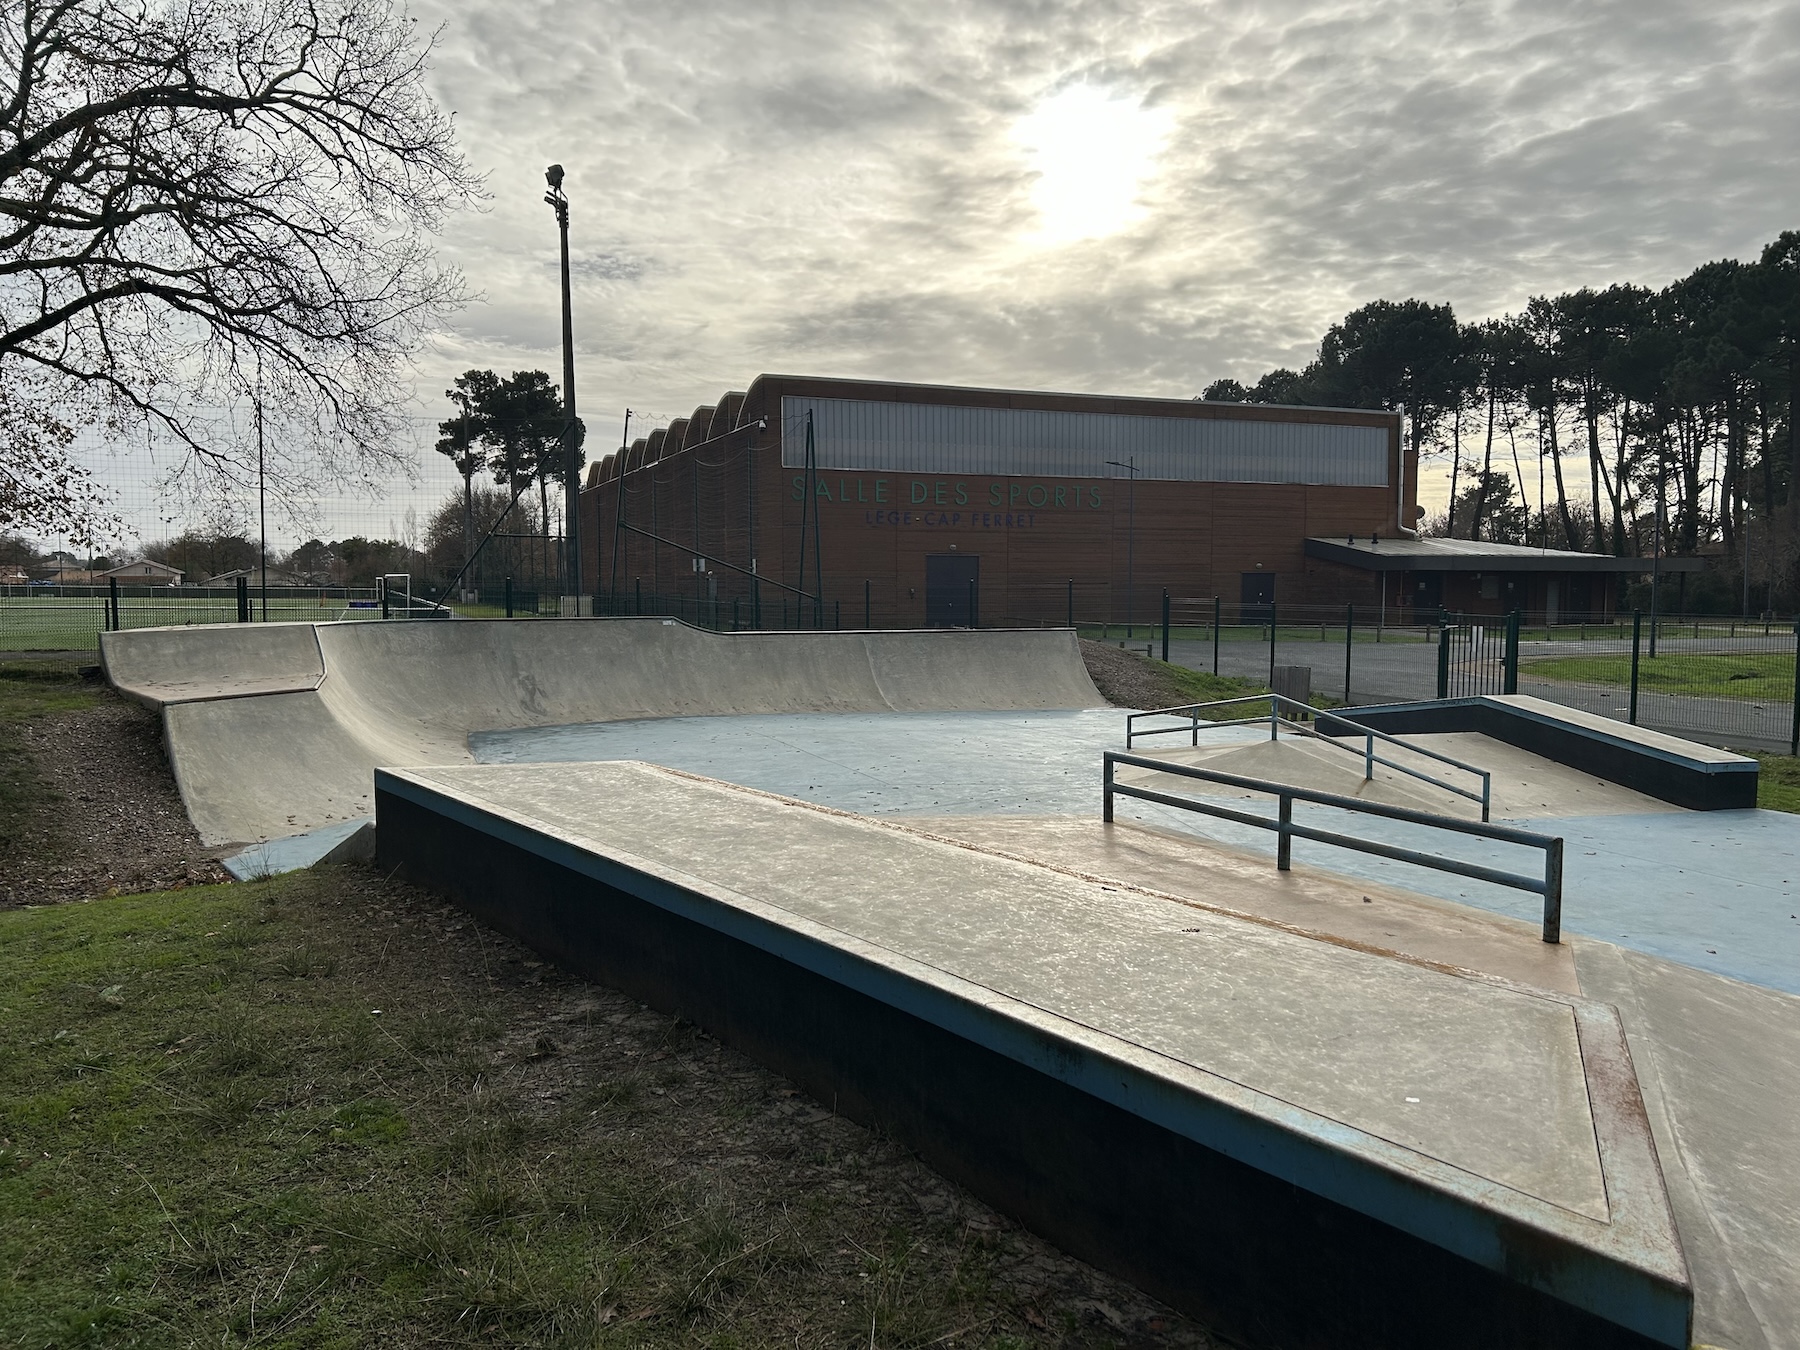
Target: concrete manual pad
[1498,1122]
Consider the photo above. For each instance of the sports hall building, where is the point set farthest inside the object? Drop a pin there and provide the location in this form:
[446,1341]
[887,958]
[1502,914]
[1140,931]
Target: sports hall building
[806,501]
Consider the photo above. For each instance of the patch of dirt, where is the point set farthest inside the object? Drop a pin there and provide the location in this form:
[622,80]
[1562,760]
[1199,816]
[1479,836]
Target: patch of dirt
[109,820]
[1126,680]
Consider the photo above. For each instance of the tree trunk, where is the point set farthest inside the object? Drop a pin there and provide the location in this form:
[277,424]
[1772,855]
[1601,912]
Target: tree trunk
[468,514]
[1547,421]
[1593,425]
[1487,468]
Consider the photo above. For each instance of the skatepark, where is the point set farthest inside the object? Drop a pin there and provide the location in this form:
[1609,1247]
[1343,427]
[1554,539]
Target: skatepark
[1352,1102]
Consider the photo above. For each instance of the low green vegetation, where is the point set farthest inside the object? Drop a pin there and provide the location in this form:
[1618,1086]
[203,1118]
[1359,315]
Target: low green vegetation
[1746,675]
[1778,782]
[327,1111]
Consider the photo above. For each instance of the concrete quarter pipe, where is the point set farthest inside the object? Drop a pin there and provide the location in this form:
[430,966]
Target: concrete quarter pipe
[277,729]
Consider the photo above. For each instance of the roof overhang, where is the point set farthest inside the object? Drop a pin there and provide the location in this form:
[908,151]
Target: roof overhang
[1462,555]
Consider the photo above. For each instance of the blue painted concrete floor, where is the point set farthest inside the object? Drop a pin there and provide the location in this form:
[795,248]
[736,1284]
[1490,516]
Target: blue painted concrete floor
[1719,891]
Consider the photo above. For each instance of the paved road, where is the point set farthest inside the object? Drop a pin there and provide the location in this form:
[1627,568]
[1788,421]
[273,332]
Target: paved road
[1399,672]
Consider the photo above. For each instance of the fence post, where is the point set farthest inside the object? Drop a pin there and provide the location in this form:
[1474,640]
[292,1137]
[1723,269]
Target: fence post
[972,622]
[1443,656]
[509,597]
[1510,677]
[381,585]
[637,584]
[1071,602]
[1165,625]
[1637,634]
[1272,626]
[243,599]
[1284,851]
[837,613]
[868,607]
[1349,637]
[1794,734]
[112,602]
[1215,635]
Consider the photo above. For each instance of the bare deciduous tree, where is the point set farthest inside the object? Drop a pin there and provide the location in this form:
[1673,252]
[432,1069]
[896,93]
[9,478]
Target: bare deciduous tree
[205,201]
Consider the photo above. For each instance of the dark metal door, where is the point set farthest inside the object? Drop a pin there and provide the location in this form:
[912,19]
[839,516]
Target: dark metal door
[1427,592]
[952,581]
[1256,597]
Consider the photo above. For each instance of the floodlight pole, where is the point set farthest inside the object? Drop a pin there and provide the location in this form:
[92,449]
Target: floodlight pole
[559,203]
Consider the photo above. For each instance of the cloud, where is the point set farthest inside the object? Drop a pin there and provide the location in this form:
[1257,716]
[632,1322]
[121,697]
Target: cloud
[802,186]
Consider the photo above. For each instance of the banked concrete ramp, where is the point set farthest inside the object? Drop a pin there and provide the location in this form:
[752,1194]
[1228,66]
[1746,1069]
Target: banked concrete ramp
[275,729]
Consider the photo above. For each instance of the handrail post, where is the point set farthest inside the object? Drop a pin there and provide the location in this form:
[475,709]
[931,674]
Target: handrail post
[1165,619]
[1196,717]
[1274,716]
[1106,810]
[1487,794]
[1369,758]
[1284,850]
[1553,876]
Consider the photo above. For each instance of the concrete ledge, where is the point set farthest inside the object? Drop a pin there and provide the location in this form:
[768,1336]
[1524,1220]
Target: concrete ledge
[1683,772]
[1276,1225]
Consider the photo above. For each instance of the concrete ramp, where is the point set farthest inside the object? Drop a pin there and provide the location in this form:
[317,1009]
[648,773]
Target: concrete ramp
[1305,1142]
[276,729]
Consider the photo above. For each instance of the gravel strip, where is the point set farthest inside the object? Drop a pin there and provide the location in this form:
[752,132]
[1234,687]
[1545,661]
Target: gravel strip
[1126,680]
[110,821]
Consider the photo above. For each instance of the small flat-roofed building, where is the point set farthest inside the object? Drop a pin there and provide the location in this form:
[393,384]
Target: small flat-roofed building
[1467,576]
[930,504]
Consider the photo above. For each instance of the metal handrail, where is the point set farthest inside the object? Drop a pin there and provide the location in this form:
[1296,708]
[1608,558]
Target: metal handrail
[1370,736]
[1549,886]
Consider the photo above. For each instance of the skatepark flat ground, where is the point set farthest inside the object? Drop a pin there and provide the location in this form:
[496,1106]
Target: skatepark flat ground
[1715,890]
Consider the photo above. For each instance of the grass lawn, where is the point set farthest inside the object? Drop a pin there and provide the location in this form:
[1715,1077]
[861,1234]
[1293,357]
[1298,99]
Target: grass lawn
[323,1110]
[1778,782]
[1760,676]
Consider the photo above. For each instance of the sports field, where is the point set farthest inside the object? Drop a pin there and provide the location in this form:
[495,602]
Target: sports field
[1756,676]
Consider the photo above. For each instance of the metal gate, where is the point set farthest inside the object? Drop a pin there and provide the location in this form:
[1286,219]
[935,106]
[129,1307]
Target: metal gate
[1478,654]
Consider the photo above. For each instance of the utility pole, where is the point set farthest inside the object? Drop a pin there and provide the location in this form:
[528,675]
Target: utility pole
[559,203]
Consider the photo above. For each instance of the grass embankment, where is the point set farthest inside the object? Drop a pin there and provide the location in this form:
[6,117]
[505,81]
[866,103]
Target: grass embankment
[1756,676]
[324,1110]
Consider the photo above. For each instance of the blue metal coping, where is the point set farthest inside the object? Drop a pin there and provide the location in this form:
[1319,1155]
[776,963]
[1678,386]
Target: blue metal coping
[1325,1157]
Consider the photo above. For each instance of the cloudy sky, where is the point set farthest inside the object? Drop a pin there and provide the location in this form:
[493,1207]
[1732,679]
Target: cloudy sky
[1114,197]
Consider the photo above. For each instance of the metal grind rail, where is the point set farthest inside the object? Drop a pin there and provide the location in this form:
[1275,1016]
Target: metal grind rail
[1369,734]
[1549,885]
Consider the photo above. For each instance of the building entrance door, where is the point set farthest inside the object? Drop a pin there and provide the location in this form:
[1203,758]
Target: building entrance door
[1256,596]
[952,590]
